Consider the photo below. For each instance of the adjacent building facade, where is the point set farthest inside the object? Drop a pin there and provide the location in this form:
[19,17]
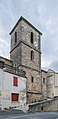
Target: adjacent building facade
[52,84]
[49,84]
[26,53]
[12,86]
[43,84]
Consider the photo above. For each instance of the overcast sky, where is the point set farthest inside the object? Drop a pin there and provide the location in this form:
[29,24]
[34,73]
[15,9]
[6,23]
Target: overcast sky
[43,14]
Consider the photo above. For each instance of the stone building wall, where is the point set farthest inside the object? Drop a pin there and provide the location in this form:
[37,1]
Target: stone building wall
[50,105]
[26,57]
[33,88]
[52,83]
[44,82]
[21,54]
[15,55]
[18,29]
[26,31]
[6,61]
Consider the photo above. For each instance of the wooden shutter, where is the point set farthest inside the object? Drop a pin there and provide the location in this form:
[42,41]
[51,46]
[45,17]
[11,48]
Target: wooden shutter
[15,81]
[14,97]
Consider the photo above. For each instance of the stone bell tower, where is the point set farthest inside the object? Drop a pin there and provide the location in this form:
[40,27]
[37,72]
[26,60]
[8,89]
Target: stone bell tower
[26,53]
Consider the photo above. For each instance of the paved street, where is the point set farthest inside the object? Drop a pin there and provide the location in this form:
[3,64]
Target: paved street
[16,114]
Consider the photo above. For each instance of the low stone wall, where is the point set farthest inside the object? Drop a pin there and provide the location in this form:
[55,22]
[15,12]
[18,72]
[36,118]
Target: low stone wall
[48,105]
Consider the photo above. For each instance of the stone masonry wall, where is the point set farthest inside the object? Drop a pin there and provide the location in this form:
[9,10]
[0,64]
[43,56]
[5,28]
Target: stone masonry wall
[19,36]
[26,35]
[33,89]
[44,87]
[50,105]
[26,57]
[15,55]
[21,55]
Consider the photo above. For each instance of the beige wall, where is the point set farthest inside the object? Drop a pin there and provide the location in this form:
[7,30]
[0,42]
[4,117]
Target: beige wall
[52,84]
[44,88]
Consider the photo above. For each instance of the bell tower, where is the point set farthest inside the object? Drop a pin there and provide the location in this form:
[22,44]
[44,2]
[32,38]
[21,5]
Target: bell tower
[26,53]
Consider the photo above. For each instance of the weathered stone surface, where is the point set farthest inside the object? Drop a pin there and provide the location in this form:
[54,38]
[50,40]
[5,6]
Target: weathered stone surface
[44,86]
[21,55]
[15,55]
[26,57]
[50,105]
[33,89]
[26,30]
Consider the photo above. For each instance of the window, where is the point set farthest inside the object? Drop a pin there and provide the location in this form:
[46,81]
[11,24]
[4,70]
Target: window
[43,80]
[42,108]
[32,79]
[14,97]
[39,42]
[32,55]
[15,37]
[27,95]
[15,81]
[31,37]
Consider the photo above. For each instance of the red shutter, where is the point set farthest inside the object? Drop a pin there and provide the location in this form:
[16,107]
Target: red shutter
[15,81]
[14,97]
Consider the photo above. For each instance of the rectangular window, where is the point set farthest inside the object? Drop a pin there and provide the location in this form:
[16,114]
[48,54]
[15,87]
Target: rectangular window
[43,80]
[15,81]
[32,79]
[15,37]
[31,37]
[32,54]
[14,97]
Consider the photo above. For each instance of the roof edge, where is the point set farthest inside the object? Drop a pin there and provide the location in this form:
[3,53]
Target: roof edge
[42,70]
[22,18]
[1,57]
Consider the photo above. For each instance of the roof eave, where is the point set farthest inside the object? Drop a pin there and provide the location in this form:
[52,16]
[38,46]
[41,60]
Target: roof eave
[22,18]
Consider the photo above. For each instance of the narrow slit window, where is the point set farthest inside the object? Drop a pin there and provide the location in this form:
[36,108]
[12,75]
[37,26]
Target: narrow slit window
[15,37]
[32,54]
[32,79]
[43,80]
[32,37]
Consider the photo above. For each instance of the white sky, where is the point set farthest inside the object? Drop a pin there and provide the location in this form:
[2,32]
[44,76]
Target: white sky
[43,14]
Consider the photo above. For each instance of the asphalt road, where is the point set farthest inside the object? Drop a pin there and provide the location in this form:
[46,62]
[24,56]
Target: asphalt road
[16,114]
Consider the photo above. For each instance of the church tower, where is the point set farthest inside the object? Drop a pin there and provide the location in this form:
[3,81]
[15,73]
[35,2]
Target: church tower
[26,54]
